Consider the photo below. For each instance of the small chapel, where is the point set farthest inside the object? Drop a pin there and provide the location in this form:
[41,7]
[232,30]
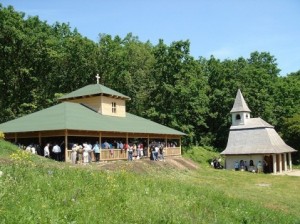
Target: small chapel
[254,144]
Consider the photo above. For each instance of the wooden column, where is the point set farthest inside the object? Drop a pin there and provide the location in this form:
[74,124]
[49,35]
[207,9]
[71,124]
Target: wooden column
[40,139]
[100,145]
[290,161]
[166,141]
[66,146]
[180,145]
[280,163]
[285,162]
[274,164]
[16,137]
[148,148]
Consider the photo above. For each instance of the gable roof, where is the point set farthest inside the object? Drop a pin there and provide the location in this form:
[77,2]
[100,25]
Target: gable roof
[92,90]
[240,104]
[74,116]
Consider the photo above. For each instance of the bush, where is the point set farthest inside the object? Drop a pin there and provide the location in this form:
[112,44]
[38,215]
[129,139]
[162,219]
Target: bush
[2,136]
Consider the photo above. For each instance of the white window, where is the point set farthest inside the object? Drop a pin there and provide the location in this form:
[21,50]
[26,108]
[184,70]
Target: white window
[113,107]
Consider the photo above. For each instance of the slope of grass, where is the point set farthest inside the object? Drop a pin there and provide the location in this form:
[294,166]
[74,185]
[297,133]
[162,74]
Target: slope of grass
[202,155]
[36,190]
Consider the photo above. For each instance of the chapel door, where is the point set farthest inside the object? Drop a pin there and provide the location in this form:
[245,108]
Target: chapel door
[269,164]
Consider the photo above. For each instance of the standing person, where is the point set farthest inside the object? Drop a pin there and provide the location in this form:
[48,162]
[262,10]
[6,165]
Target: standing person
[130,152]
[90,149]
[79,153]
[142,150]
[126,147]
[251,166]
[259,167]
[138,156]
[265,166]
[236,165]
[28,148]
[33,149]
[85,153]
[246,166]
[74,153]
[106,145]
[96,150]
[121,146]
[46,150]
[156,152]
[152,149]
[242,165]
[134,149]
[57,151]
[162,152]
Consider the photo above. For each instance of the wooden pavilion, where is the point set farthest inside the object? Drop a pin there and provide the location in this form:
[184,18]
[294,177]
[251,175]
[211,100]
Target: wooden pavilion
[92,114]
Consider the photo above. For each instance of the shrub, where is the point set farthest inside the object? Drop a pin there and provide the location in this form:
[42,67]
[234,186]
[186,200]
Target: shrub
[2,136]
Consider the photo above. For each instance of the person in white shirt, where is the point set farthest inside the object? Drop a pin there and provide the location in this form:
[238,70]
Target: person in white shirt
[75,148]
[90,149]
[28,148]
[47,151]
[86,150]
[33,150]
[57,151]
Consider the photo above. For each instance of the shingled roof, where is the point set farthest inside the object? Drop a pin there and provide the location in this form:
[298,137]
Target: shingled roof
[261,140]
[240,104]
[252,123]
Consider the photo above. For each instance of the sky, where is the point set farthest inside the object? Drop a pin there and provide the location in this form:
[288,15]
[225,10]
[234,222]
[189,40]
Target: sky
[226,29]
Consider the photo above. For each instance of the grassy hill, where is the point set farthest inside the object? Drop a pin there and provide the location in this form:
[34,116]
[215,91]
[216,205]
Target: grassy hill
[38,190]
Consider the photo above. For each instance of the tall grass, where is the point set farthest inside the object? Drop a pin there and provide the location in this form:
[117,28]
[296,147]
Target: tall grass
[36,190]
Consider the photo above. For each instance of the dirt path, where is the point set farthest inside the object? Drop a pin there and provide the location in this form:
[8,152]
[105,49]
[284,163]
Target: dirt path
[290,173]
[146,165]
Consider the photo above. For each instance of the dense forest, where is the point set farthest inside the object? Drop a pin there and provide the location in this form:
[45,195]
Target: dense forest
[40,62]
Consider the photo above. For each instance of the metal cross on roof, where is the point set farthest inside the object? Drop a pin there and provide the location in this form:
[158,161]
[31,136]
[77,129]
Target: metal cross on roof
[97,77]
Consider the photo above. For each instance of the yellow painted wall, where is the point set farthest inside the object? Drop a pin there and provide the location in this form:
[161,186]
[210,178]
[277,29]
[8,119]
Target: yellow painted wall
[103,105]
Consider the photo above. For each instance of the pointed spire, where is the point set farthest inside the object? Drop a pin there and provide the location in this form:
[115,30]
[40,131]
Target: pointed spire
[240,104]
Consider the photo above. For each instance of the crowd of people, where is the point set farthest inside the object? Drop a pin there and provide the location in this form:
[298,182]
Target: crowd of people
[216,163]
[242,165]
[52,151]
[84,153]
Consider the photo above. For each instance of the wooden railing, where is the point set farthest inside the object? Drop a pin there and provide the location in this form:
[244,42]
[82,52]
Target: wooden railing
[173,151]
[119,154]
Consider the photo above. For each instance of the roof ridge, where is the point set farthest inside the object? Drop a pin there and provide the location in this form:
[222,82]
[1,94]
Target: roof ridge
[92,90]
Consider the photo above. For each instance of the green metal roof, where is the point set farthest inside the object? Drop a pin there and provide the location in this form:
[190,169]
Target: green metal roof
[74,116]
[93,89]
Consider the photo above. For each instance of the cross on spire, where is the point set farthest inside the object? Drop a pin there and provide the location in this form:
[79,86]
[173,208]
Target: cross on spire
[97,77]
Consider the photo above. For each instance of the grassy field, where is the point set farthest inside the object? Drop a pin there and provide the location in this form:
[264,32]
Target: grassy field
[38,190]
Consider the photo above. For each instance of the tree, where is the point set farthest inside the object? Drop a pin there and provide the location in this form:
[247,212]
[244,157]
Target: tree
[125,65]
[178,97]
